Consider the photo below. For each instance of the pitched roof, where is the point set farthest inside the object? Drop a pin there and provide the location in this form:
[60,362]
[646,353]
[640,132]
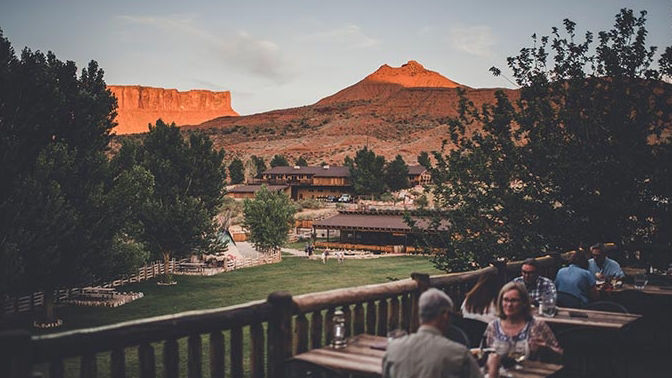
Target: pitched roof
[416,169]
[255,188]
[371,222]
[317,171]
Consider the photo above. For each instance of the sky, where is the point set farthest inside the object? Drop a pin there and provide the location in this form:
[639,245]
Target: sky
[281,54]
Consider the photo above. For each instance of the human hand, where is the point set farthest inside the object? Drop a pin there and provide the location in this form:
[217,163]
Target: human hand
[599,276]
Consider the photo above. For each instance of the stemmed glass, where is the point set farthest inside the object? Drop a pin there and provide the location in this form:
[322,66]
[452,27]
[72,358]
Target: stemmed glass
[519,352]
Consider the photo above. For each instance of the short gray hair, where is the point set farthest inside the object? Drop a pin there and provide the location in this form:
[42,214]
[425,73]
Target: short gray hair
[433,303]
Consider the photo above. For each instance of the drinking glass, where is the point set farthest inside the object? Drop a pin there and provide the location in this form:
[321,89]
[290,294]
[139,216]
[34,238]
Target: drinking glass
[519,351]
[547,306]
[640,281]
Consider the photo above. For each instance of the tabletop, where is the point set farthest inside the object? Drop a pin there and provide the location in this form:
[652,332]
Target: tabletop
[590,318]
[648,289]
[364,355]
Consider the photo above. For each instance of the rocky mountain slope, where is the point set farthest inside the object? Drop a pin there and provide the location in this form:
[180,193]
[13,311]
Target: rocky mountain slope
[139,106]
[395,110]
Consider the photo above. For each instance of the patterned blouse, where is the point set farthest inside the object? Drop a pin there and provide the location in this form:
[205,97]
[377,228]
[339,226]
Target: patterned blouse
[533,329]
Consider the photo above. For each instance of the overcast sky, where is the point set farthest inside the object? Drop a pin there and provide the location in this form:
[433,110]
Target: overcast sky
[280,54]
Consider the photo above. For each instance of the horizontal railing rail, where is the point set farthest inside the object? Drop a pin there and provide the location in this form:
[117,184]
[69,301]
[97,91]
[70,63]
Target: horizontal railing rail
[275,329]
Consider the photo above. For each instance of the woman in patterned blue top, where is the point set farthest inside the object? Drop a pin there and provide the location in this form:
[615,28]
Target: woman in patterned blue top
[515,324]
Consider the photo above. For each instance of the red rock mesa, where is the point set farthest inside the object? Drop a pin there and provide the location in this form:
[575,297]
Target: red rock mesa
[140,106]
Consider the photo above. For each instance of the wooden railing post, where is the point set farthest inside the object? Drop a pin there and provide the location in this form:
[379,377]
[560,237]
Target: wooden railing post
[422,280]
[279,332]
[15,354]
[502,274]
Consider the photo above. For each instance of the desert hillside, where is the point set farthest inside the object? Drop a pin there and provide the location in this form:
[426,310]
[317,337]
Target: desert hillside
[395,110]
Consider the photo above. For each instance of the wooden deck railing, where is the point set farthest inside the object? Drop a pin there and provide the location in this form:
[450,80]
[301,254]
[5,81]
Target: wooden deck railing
[274,330]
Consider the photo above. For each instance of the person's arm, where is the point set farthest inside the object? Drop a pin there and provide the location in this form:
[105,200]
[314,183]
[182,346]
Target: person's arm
[593,294]
[542,337]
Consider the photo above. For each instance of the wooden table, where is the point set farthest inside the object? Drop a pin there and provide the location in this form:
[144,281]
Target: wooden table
[599,319]
[648,289]
[364,356]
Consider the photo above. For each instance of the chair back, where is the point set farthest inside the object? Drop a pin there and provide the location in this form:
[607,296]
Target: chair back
[473,328]
[607,306]
[568,300]
[456,334]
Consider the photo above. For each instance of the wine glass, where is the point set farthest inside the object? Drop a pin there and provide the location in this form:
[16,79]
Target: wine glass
[519,351]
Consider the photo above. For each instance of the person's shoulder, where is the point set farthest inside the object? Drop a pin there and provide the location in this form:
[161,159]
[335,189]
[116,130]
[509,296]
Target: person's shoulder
[613,262]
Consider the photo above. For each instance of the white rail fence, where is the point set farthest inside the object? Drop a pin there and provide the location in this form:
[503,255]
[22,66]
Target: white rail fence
[149,271]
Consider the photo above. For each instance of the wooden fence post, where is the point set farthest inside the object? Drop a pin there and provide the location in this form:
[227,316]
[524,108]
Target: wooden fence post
[279,332]
[422,280]
[502,274]
[15,354]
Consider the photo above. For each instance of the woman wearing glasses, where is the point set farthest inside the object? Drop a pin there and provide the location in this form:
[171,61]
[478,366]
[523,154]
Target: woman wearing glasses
[516,333]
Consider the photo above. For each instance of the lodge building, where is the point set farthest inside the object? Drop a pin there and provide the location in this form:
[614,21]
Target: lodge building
[311,182]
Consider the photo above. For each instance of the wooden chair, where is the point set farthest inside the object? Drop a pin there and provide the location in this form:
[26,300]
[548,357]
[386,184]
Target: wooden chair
[473,328]
[457,334]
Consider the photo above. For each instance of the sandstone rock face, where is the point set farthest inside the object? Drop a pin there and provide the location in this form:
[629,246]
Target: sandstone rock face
[140,106]
[388,81]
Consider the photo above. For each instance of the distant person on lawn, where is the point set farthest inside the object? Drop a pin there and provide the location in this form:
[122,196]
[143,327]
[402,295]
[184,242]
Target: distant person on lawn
[538,287]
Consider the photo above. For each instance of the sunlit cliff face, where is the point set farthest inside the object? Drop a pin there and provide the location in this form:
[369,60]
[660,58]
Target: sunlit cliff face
[140,106]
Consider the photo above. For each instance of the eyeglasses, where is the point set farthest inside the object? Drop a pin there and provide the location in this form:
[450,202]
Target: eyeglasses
[528,273]
[510,300]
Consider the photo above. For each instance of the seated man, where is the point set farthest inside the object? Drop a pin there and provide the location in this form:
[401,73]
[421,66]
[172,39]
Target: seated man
[601,266]
[577,280]
[428,353]
[537,286]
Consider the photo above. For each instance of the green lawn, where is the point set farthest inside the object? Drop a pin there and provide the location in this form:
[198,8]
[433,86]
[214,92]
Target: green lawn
[294,274]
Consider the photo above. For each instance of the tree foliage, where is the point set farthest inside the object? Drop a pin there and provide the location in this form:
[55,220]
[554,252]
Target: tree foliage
[189,178]
[259,165]
[59,194]
[301,162]
[268,218]
[367,172]
[279,161]
[423,159]
[396,174]
[236,171]
[582,156]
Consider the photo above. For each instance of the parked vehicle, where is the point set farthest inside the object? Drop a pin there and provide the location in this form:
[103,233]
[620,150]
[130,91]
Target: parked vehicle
[345,197]
[332,198]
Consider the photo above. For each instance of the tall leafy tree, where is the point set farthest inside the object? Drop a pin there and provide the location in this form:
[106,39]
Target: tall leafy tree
[396,174]
[268,218]
[189,178]
[236,171]
[58,194]
[423,159]
[583,155]
[259,165]
[279,161]
[301,162]
[367,172]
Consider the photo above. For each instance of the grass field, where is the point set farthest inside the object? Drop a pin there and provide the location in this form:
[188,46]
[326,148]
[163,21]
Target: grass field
[294,274]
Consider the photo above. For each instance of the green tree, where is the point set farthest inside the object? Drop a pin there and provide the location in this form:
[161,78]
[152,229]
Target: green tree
[236,171]
[259,165]
[189,178]
[367,172]
[423,159]
[58,194]
[279,161]
[581,157]
[396,174]
[268,218]
[301,162]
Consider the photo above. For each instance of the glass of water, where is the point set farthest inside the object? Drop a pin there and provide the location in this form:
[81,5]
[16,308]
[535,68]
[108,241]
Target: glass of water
[640,281]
